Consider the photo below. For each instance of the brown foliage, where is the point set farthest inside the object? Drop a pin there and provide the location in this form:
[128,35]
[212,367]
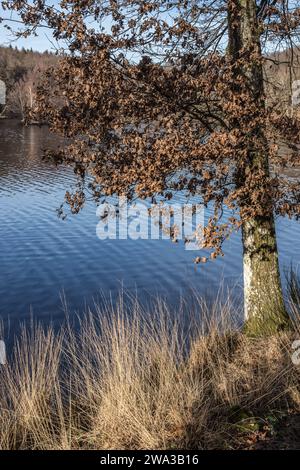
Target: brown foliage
[154,103]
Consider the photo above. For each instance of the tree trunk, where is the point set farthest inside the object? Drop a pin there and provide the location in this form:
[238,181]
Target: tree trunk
[263,299]
[264,306]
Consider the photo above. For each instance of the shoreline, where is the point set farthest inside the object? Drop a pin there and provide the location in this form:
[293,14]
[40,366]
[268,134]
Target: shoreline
[129,381]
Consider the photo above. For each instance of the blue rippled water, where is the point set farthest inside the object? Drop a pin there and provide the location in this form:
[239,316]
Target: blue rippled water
[42,256]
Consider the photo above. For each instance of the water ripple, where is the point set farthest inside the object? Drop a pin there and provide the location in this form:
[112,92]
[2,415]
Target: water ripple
[41,255]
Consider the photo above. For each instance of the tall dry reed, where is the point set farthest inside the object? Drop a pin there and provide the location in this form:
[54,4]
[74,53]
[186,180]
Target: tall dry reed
[133,378]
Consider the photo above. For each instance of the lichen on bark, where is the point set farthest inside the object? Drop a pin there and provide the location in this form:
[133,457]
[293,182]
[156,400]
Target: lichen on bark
[265,311]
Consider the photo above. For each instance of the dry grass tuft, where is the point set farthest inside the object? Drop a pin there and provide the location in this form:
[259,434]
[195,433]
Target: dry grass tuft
[131,380]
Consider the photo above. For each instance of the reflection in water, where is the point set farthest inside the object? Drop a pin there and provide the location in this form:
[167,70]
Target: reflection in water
[42,255]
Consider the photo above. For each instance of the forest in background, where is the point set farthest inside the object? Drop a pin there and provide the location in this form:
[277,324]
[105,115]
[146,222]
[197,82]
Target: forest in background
[21,71]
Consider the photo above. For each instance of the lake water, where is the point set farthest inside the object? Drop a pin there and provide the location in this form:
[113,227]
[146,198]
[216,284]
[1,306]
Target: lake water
[42,256]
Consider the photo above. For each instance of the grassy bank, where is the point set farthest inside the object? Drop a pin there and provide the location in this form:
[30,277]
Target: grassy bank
[130,380]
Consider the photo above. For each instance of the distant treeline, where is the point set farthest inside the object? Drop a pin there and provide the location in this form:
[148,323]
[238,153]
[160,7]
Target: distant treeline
[20,69]
[282,70]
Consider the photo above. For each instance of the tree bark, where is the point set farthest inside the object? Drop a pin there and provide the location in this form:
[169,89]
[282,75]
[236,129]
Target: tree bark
[264,307]
[263,299]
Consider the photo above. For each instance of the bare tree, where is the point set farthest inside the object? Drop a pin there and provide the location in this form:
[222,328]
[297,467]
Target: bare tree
[195,74]
[20,70]
[22,97]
